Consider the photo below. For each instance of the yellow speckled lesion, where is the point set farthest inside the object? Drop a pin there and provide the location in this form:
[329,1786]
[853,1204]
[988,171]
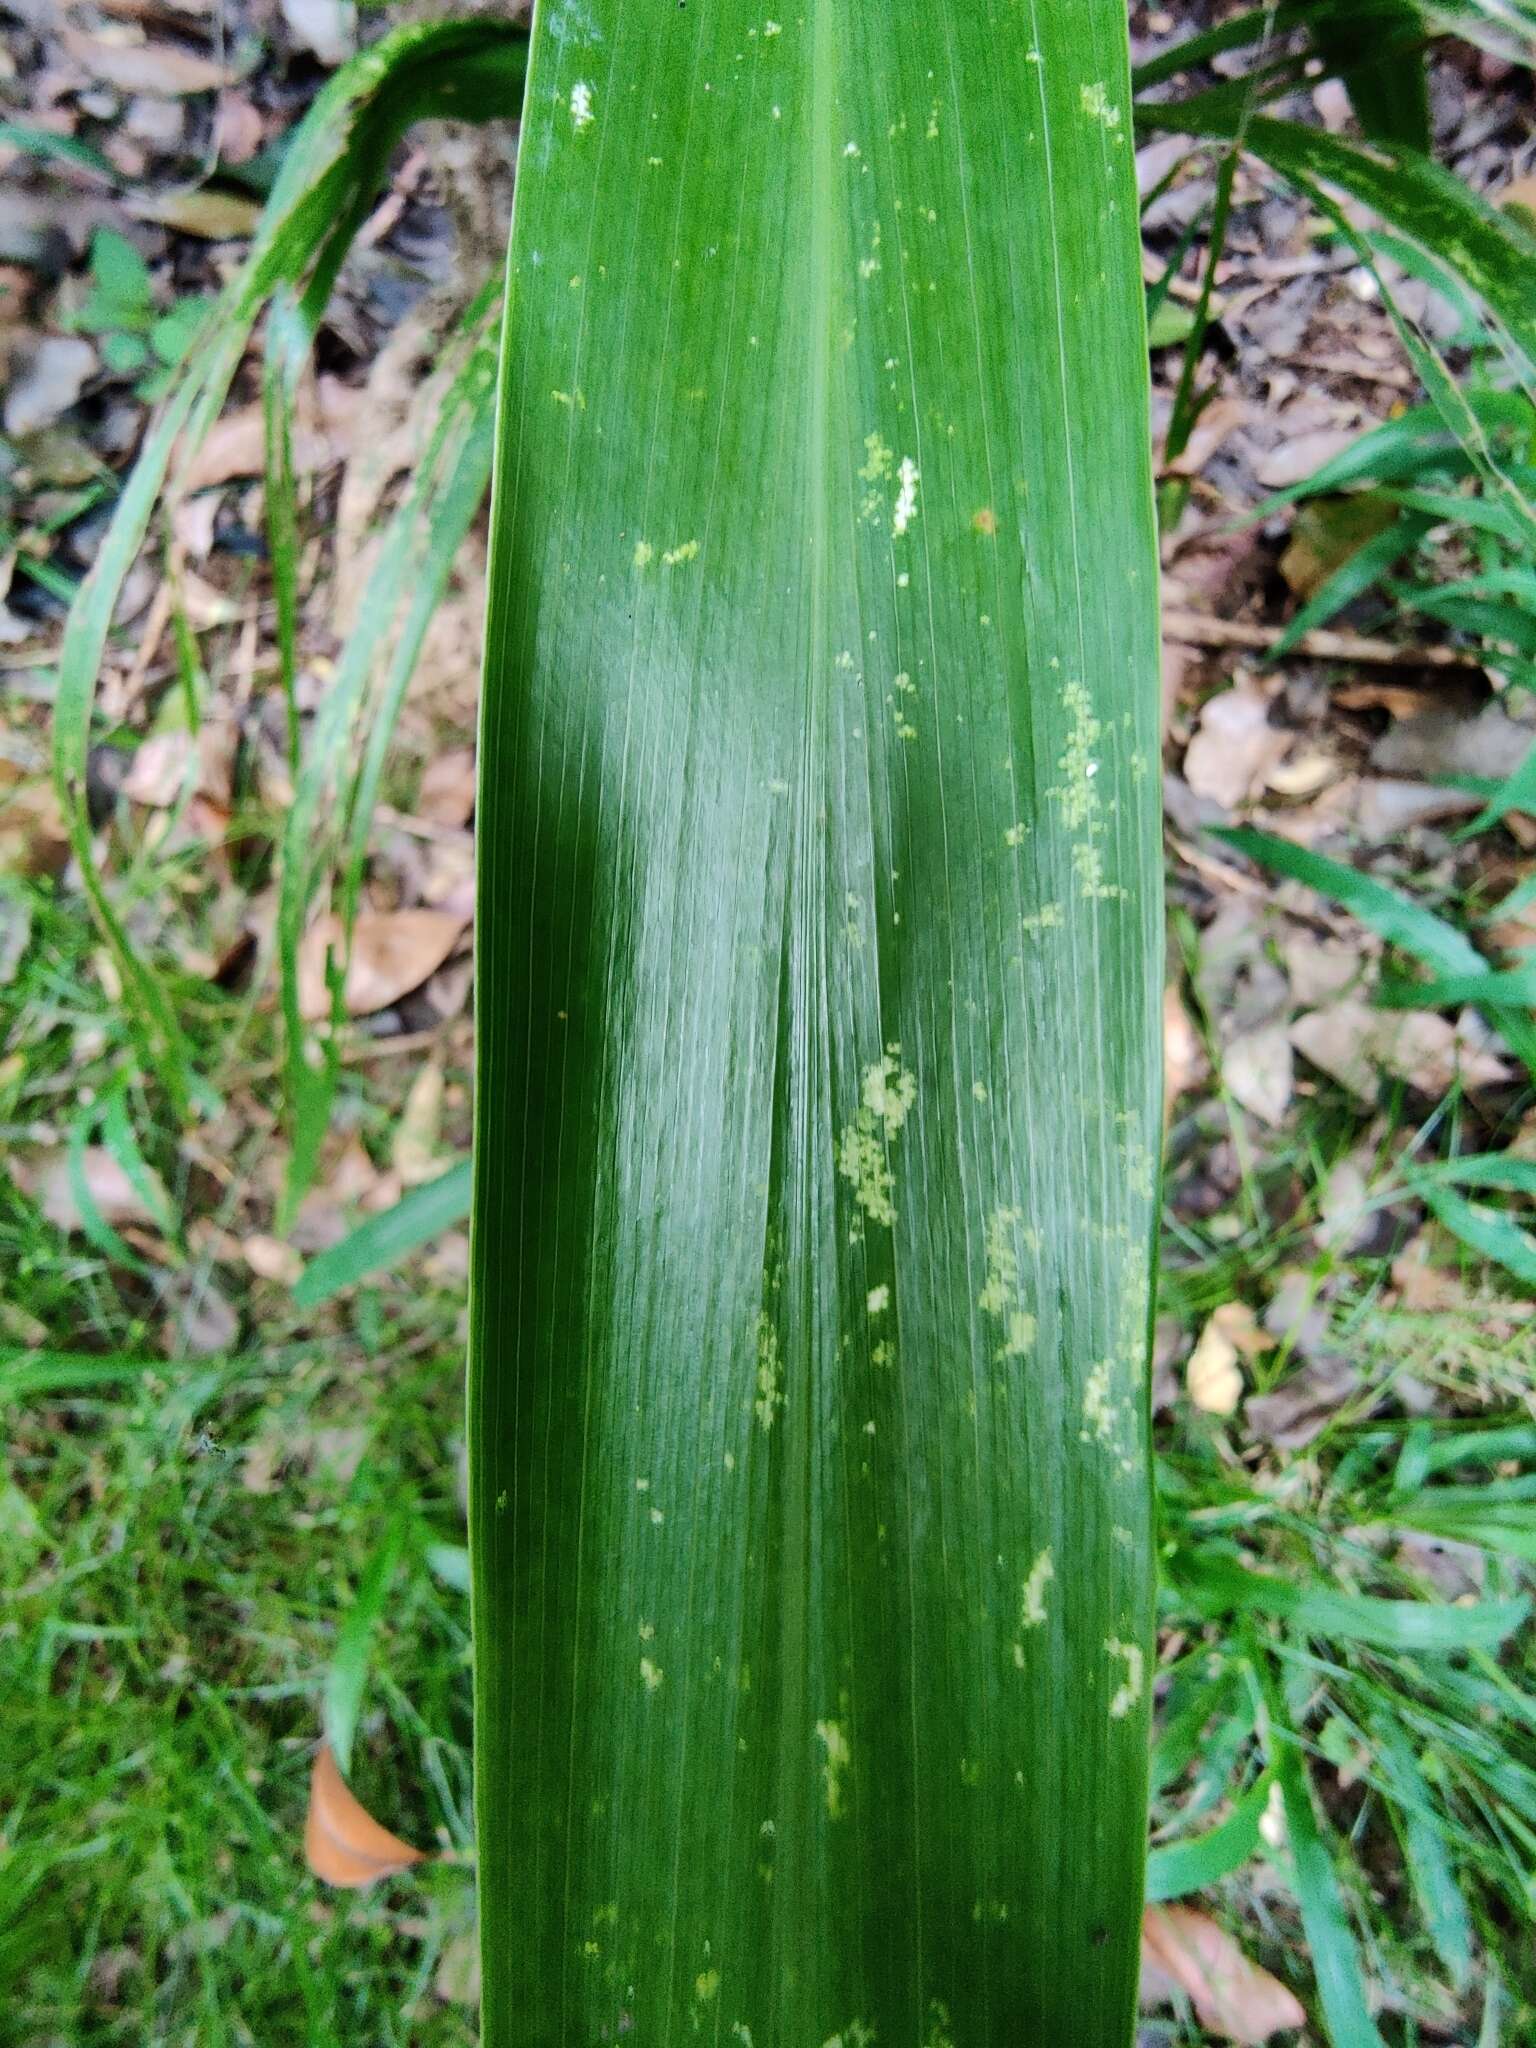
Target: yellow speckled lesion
[839,1756]
[862,1163]
[889,1091]
[877,459]
[1002,1261]
[1140,1165]
[770,1372]
[1032,1603]
[1129,1690]
[855,2035]
[1002,1295]
[685,551]
[1075,793]
[1099,1410]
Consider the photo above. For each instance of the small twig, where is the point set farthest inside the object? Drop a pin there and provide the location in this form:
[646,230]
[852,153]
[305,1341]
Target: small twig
[1193,629]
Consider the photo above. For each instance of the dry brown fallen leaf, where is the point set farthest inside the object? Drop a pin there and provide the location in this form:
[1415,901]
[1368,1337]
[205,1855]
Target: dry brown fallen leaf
[34,839]
[209,215]
[458,1971]
[46,1177]
[448,787]
[1232,1997]
[1350,1041]
[270,1259]
[1184,1060]
[200,1321]
[1300,1410]
[393,952]
[1241,1326]
[1235,746]
[235,446]
[1215,425]
[1259,1070]
[1294,460]
[414,1151]
[1424,1288]
[130,64]
[343,1844]
[1212,1377]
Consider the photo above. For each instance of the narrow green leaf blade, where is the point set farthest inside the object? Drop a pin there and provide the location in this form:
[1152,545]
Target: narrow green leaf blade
[1391,915]
[1178,1869]
[1219,1586]
[346,1678]
[419,1216]
[818,958]
[1336,1960]
[1486,1231]
[1376,47]
[1494,253]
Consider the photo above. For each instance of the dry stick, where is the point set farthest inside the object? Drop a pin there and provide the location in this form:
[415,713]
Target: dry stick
[1193,629]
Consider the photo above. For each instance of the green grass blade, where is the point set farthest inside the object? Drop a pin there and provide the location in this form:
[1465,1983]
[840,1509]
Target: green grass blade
[464,70]
[1217,1585]
[1354,577]
[1336,1961]
[28,1375]
[1479,1170]
[384,1240]
[403,591]
[1424,1454]
[1486,1231]
[1392,916]
[1492,988]
[818,956]
[1511,1529]
[347,1676]
[1375,47]
[64,149]
[1493,254]
[1180,1868]
[1426,1853]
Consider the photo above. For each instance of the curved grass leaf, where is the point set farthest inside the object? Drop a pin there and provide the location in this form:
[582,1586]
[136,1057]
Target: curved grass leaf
[1426,1853]
[1179,1868]
[1217,1585]
[1364,568]
[1479,1170]
[1508,1526]
[1376,48]
[384,1240]
[1392,916]
[1486,1231]
[346,1677]
[1336,1961]
[403,591]
[466,70]
[26,1375]
[1418,444]
[1493,987]
[1491,252]
[818,963]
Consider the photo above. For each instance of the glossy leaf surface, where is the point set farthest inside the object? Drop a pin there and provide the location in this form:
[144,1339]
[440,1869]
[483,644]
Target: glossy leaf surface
[819,965]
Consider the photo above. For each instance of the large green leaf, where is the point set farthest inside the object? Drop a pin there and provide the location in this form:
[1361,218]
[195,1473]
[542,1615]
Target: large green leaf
[819,966]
